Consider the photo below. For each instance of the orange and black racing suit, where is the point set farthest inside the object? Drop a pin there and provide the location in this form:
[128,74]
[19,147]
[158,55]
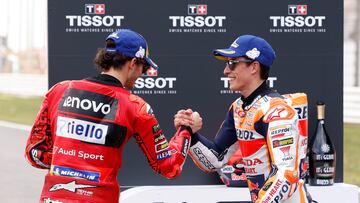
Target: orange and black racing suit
[79,135]
[272,140]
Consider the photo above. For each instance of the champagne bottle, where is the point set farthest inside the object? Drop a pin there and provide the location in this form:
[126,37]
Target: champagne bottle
[322,155]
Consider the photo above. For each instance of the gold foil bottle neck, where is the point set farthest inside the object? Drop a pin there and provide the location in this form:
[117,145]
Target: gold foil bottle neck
[321,111]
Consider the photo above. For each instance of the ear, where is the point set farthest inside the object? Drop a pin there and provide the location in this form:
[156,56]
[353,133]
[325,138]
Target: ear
[255,67]
[132,63]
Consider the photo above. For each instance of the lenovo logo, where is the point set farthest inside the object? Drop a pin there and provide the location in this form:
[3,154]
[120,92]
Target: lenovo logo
[86,104]
[82,102]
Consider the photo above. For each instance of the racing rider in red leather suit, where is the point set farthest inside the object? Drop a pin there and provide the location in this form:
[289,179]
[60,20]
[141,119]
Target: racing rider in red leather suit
[82,127]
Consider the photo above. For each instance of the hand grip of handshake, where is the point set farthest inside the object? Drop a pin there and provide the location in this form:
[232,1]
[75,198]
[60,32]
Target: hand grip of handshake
[197,122]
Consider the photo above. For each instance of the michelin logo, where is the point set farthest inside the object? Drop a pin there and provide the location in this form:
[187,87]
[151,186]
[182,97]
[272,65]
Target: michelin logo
[81,130]
[64,171]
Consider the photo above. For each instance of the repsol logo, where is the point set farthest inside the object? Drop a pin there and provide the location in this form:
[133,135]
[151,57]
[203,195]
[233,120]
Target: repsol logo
[245,134]
[282,193]
[277,192]
[88,103]
[96,21]
[281,130]
[81,130]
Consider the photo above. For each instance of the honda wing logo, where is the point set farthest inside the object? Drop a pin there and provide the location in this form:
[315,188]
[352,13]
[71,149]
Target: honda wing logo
[71,186]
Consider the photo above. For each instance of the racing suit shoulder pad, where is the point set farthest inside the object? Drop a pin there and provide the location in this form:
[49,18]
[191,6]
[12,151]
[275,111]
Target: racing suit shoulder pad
[278,109]
[61,84]
[144,109]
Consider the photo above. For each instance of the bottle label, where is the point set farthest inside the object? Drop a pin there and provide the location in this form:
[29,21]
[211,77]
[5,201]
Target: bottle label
[324,157]
[322,172]
[324,181]
[325,171]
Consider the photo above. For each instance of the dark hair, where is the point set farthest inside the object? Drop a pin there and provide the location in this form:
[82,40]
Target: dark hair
[104,60]
[264,70]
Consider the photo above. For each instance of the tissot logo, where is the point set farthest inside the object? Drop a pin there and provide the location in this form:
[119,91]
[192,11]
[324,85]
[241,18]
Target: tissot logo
[151,72]
[197,9]
[150,83]
[297,9]
[197,20]
[94,8]
[298,20]
[94,20]
[226,85]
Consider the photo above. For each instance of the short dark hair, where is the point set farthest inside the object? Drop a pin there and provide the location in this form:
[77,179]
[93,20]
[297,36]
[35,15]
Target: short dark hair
[264,72]
[104,60]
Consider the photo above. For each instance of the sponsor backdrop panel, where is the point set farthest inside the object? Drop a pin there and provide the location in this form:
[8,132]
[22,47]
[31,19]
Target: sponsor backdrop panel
[307,38]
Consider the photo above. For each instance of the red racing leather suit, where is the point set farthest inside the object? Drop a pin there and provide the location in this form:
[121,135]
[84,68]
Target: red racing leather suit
[79,135]
[266,129]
